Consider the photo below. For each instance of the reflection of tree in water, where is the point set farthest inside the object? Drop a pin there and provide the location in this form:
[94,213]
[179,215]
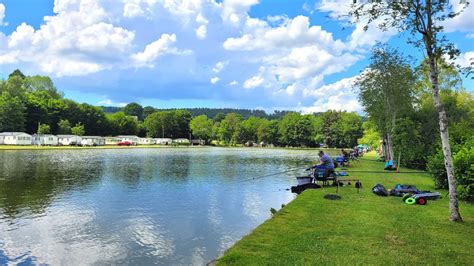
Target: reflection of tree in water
[31,180]
[132,170]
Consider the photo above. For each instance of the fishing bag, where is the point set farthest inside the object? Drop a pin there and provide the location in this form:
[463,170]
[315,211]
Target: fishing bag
[380,190]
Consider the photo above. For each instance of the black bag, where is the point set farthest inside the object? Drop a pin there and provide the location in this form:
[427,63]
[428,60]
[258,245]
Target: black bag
[358,184]
[380,190]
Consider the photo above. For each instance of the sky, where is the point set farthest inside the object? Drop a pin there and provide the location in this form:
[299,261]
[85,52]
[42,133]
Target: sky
[297,55]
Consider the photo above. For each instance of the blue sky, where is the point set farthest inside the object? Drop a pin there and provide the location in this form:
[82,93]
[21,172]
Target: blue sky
[267,54]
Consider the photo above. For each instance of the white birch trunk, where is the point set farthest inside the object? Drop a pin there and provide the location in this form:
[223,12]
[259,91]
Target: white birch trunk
[443,128]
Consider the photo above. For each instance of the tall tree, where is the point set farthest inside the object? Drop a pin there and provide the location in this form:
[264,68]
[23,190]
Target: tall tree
[386,92]
[134,109]
[64,127]
[423,19]
[12,113]
[201,127]
[78,129]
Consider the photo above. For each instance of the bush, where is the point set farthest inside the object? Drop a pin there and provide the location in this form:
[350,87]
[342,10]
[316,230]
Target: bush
[437,169]
[463,170]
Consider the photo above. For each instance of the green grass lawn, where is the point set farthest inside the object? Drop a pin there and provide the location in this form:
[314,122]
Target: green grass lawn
[361,228]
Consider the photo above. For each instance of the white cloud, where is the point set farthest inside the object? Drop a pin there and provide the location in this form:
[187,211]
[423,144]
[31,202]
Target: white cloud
[295,32]
[200,19]
[464,22]
[233,83]
[465,59]
[162,46]
[77,40]
[470,36]
[339,95]
[219,66]
[253,82]
[214,80]
[2,15]
[201,32]
[235,11]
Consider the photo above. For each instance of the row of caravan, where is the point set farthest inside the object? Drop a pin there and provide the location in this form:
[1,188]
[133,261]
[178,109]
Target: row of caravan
[21,138]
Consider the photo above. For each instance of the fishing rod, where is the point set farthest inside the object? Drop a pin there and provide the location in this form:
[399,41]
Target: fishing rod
[385,172]
[263,176]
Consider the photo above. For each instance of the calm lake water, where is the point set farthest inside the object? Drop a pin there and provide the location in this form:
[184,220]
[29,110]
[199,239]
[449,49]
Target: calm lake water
[137,206]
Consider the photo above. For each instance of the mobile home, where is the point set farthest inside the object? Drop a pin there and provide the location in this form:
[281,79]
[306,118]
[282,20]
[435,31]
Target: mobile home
[15,138]
[92,141]
[146,141]
[133,139]
[68,140]
[112,140]
[46,139]
[163,141]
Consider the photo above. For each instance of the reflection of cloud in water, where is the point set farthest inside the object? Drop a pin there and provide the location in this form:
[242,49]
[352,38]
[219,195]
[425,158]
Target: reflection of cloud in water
[213,211]
[147,233]
[252,204]
[61,237]
[198,256]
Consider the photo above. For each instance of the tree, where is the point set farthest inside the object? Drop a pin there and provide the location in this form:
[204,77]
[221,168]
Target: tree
[134,109]
[17,73]
[122,124]
[386,92]
[371,136]
[296,130]
[422,19]
[229,128]
[148,110]
[12,113]
[64,127]
[44,129]
[201,127]
[78,130]
[250,129]
[268,132]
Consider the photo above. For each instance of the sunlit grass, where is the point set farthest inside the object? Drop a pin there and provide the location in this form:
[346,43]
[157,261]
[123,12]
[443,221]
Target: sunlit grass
[361,228]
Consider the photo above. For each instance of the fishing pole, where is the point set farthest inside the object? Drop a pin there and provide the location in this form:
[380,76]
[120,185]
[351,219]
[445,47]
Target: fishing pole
[263,176]
[385,172]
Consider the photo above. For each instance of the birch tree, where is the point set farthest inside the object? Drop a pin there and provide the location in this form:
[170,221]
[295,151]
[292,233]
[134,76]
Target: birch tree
[422,19]
[386,92]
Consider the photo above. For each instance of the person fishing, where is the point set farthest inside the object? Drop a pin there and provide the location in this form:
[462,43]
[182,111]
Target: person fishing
[326,163]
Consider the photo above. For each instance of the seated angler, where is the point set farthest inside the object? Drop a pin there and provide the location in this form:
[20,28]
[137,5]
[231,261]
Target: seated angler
[326,163]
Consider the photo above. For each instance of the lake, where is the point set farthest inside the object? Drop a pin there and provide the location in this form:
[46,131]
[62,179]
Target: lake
[138,206]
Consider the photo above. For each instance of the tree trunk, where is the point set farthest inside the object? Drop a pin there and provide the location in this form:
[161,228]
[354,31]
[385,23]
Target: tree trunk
[443,128]
[390,146]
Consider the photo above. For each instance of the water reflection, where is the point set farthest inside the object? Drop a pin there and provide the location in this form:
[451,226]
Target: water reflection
[136,206]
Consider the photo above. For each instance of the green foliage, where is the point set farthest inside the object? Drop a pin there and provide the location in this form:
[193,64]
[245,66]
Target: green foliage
[44,129]
[123,124]
[201,127]
[78,130]
[169,124]
[134,109]
[464,171]
[463,167]
[12,113]
[148,110]
[407,143]
[230,128]
[297,130]
[64,127]
[370,136]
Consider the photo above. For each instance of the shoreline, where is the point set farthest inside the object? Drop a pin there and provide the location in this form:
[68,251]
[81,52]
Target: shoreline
[359,227]
[38,148]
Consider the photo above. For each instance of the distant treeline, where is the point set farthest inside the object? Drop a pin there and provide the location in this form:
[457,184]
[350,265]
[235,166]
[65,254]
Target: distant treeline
[211,112]
[32,104]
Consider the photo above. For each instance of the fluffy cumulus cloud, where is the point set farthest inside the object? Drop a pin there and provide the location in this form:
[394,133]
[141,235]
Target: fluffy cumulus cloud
[464,22]
[2,15]
[184,49]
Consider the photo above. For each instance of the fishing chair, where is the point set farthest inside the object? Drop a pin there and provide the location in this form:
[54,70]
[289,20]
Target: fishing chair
[324,175]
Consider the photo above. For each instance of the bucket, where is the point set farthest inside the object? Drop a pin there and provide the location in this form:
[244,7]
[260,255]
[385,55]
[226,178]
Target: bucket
[304,180]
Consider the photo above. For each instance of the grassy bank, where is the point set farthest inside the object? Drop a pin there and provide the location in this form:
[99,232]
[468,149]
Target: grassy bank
[360,228]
